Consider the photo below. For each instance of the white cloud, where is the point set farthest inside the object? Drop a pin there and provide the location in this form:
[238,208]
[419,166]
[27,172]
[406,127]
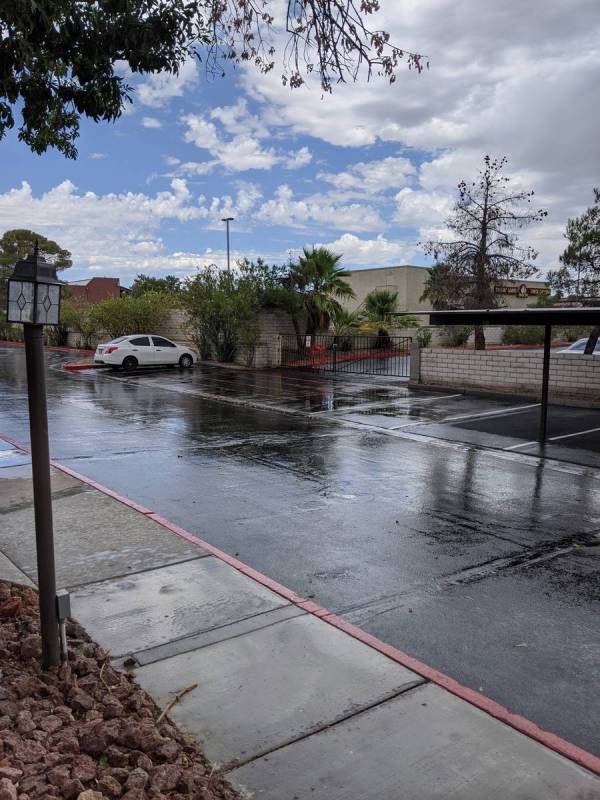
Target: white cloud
[521,90]
[416,209]
[284,209]
[372,252]
[151,122]
[299,158]
[372,176]
[111,232]
[162,87]
[241,153]
[97,156]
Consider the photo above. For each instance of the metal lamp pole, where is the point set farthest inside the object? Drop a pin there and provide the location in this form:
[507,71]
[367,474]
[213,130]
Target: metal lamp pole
[227,220]
[34,300]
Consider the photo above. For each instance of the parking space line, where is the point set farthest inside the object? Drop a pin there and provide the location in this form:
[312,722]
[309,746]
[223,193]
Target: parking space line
[553,438]
[466,417]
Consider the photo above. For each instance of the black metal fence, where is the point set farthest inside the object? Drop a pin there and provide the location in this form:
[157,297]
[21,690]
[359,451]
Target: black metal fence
[373,354]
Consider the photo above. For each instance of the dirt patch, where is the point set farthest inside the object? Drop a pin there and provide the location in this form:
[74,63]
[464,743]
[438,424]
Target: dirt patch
[85,729]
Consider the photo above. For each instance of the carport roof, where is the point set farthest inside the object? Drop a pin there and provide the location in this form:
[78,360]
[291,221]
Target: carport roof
[512,316]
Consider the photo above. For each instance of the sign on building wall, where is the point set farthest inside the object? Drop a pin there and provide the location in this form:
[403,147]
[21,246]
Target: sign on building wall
[521,291]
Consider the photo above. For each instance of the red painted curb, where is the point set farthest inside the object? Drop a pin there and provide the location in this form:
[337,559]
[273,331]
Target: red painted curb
[495,710]
[74,367]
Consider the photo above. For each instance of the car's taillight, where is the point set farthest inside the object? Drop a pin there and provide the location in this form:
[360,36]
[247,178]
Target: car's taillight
[111,349]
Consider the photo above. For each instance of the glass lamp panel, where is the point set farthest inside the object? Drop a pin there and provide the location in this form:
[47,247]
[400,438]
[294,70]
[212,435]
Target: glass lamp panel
[48,304]
[20,301]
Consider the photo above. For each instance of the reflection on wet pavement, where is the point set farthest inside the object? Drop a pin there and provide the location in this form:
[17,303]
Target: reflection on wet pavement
[452,553]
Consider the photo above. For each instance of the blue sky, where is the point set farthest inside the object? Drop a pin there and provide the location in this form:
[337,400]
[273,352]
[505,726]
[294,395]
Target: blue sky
[369,171]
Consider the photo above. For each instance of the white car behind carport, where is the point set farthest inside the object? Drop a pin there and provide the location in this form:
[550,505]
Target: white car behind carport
[578,347]
[143,350]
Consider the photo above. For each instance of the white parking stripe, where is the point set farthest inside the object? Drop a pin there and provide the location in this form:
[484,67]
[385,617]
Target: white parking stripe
[553,438]
[466,417]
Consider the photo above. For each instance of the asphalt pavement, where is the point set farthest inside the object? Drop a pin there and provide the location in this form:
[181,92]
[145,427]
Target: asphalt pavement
[478,562]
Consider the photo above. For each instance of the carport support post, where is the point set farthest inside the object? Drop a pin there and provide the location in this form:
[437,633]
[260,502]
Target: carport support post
[42,494]
[545,383]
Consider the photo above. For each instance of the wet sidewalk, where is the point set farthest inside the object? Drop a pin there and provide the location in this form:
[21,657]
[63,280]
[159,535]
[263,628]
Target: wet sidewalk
[291,702]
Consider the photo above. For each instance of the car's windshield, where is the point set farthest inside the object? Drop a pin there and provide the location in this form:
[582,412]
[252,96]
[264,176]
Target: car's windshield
[118,339]
[578,345]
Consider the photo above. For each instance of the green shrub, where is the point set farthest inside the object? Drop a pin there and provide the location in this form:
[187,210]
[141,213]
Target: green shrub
[223,308]
[523,334]
[127,315]
[458,335]
[8,332]
[572,333]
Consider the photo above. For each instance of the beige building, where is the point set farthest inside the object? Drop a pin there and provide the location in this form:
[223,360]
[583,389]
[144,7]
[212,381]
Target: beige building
[409,282]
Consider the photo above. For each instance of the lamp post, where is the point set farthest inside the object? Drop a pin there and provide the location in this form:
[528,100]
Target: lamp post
[34,301]
[227,220]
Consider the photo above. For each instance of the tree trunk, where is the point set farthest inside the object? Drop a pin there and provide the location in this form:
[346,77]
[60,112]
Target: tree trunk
[300,339]
[591,342]
[479,338]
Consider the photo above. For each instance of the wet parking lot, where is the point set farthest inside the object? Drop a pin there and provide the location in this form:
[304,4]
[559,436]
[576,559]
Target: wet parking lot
[427,519]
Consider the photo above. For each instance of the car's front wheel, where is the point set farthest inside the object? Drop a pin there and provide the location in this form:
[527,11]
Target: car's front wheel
[186,361]
[130,363]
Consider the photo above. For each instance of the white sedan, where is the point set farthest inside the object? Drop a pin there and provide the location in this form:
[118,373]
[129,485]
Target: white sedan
[141,350]
[579,347]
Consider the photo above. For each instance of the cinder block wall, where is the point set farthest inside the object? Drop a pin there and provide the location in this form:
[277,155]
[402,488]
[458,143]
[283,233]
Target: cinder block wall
[574,379]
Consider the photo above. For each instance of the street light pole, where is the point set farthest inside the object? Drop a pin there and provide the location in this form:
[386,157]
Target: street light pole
[42,493]
[227,220]
[34,301]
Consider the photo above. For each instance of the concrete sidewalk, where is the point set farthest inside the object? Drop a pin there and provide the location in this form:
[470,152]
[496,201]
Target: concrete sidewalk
[291,703]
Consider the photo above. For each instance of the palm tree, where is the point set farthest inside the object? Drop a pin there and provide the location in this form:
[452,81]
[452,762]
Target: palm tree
[379,305]
[320,280]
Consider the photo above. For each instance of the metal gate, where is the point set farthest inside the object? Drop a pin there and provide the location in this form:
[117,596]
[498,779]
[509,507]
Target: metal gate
[373,354]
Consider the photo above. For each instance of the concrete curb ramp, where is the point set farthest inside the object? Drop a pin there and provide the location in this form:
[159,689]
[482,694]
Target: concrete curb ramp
[291,702]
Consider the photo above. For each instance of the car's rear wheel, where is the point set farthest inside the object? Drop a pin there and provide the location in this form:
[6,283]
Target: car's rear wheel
[130,363]
[186,361]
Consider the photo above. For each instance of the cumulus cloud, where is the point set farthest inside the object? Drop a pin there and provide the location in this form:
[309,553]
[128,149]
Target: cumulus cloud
[285,209]
[371,252]
[162,87]
[113,232]
[522,90]
[241,153]
[151,122]
[372,177]
[299,158]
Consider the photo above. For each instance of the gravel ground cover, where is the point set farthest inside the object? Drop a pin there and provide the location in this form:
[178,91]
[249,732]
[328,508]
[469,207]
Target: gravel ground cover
[85,731]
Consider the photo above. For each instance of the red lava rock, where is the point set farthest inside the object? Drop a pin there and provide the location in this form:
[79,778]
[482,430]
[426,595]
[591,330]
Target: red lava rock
[169,751]
[118,773]
[51,723]
[80,700]
[116,757]
[25,723]
[138,779]
[28,686]
[72,789]
[165,777]
[11,607]
[84,768]
[143,761]
[109,786]
[9,708]
[29,752]
[11,773]
[31,647]
[112,708]
[59,776]
[8,791]
[68,743]
[135,794]
[140,736]
[98,738]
